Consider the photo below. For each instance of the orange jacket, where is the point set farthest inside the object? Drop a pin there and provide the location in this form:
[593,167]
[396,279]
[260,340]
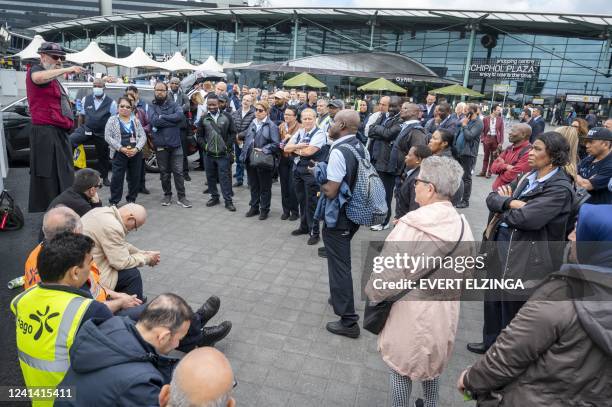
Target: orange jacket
[32,278]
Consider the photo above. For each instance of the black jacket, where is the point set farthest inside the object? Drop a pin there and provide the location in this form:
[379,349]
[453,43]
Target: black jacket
[471,137]
[405,195]
[166,120]
[242,123]
[267,138]
[538,229]
[217,138]
[383,137]
[112,365]
[410,136]
[74,200]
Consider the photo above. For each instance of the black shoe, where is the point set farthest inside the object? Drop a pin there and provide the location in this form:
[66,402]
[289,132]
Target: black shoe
[284,216]
[263,215]
[299,232]
[294,216]
[274,180]
[205,191]
[322,252]
[230,206]
[462,205]
[213,334]
[209,309]
[337,328]
[252,212]
[186,176]
[419,403]
[212,202]
[144,190]
[237,184]
[106,182]
[479,348]
[314,239]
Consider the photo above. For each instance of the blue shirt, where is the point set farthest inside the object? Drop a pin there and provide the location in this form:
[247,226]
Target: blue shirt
[97,103]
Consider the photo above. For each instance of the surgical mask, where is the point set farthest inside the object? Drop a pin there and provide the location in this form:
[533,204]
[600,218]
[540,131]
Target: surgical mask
[97,92]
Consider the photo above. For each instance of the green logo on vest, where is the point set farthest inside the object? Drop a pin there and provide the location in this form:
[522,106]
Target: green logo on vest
[43,320]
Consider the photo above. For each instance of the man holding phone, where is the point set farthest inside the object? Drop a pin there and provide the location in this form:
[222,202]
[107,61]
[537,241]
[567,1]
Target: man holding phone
[466,143]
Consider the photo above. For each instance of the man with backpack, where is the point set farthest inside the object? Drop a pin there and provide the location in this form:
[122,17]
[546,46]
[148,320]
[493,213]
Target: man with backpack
[342,167]
[513,161]
[216,134]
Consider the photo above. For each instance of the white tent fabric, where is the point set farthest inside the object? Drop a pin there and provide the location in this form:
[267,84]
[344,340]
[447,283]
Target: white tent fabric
[210,65]
[177,63]
[29,52]
[92,53]
[139,59]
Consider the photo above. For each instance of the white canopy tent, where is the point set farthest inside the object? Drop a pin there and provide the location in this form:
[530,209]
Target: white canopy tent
[93,54]
[30,52]
[139,59]
[210,64]
[177,63]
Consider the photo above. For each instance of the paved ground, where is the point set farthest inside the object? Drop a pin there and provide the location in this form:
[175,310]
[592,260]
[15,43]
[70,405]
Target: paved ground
[274,289]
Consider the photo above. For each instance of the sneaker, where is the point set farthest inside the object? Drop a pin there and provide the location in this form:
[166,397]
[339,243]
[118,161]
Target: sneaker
[378,228]
[167,200]
[312,240]
[212,335]
[184,202]
[186,176]
[230,206]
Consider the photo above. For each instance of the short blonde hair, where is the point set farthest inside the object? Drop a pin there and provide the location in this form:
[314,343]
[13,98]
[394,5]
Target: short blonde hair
[571,134]
[264,104]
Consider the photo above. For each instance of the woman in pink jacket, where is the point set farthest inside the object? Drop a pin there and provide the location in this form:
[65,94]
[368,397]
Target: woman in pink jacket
[418,337]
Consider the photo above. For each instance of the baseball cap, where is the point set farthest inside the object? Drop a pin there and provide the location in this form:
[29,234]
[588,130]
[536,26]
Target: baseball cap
[336,103]
[599,133]
[222,97]
[279,94]
[51,48]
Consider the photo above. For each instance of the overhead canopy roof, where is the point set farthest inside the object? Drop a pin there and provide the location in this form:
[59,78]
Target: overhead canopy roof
[361,64]
[589,25]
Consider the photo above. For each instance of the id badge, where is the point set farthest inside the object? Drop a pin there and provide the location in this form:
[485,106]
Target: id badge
[88,133]
[160,148]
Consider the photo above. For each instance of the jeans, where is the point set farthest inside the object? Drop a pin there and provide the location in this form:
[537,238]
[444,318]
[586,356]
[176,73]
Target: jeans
[121,165]
[388,180]
[260,185]
[288,194]
[170,162]
[239,165]
[467,163]
[306,190]
[338,247]
[101,146]
[218,170]
[130,282]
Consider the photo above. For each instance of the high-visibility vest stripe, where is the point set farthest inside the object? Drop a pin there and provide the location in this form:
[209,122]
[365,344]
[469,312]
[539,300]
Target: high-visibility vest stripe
[44,365]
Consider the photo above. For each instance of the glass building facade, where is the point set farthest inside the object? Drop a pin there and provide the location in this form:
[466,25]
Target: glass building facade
[569,64]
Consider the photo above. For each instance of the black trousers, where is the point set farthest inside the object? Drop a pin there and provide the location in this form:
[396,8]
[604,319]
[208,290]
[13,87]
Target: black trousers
[467,163]
[122,166]
[260,185]
[185,150]
[306,189]
[101,146]
[338,247]
[130,282]
[497,316]
[218,170]
[288,193]
[170,161]
[388,180]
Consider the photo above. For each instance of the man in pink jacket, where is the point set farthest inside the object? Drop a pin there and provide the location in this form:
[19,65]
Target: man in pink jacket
[492,137]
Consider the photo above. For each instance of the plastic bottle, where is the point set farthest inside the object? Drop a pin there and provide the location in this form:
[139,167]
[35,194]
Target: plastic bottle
[16,282]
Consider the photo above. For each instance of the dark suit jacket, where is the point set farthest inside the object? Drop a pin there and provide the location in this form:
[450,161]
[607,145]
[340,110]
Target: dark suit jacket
[499,129]
[537,127]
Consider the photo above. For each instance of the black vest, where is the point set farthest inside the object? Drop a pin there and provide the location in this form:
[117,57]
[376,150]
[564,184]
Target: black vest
[344,223]
[321,155]
[96,120]
[126,135]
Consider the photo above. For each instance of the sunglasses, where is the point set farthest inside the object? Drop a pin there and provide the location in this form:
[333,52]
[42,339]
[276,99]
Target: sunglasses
[56,57]
[125,107]
[260,110]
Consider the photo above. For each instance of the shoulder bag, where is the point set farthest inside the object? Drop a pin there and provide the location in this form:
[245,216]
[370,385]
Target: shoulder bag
[376,314]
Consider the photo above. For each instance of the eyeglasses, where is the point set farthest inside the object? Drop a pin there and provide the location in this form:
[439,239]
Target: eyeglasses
[425,182]
[135,223]
[260,110]
[125,107]
[161,90]
[56,57]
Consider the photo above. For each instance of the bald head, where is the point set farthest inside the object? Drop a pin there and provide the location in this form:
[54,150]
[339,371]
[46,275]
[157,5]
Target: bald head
[99,83]
[410,111]
[519,132]
[133,215]
[345,122]
[59,220]
[203,377]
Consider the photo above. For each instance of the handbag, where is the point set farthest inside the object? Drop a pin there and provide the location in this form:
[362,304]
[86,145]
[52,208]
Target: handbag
[376,313]
[259,159]
[11,217]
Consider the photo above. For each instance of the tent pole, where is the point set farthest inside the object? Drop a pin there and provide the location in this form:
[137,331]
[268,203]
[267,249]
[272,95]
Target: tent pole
[295,36]
[188,40]
[468,60]
[116,45]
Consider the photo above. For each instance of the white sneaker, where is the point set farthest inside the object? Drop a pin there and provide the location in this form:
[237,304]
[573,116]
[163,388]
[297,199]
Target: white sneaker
[378,228]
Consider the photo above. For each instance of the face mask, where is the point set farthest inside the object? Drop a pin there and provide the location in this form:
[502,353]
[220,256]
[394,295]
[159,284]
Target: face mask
[98,92]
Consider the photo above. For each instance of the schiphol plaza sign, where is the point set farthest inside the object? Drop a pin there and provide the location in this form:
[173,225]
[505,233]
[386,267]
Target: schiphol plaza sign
[504,68]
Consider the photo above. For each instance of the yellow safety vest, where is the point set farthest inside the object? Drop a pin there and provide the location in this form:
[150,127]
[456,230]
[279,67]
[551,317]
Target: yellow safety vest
[46,323]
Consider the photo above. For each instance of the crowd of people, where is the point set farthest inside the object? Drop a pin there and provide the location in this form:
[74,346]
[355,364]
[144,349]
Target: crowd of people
[85,274]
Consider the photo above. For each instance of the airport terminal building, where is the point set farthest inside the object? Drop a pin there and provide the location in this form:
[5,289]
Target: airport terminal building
[535,57]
